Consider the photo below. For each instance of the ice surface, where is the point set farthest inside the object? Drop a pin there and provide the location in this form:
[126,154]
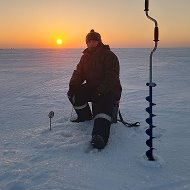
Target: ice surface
[34,82]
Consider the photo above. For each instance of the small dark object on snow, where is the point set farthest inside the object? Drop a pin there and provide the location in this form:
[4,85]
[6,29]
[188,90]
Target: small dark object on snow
[50,115]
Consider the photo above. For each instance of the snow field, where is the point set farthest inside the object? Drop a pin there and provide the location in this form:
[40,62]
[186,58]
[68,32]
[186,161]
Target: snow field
[34,82]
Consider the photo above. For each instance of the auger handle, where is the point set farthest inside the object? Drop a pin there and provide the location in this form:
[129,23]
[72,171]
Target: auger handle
[156,32]
[146,5]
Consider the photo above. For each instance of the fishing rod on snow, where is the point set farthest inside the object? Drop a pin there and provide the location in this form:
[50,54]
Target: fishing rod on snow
[151,84]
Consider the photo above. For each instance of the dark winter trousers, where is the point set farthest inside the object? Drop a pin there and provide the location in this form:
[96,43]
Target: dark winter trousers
[102,109]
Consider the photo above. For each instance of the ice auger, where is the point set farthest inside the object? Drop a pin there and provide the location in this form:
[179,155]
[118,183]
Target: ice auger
[151,84]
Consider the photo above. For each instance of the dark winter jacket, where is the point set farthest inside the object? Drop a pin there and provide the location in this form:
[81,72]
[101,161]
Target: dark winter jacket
[100,69]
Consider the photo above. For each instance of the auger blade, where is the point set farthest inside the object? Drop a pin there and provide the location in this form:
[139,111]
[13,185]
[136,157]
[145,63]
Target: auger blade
[149,154]
[149,143]
[149,121]
[153,115]
[149,132]
[148,109]
[148,98]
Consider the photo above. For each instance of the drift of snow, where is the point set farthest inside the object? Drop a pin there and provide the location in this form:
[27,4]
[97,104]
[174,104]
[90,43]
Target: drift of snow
[34,82]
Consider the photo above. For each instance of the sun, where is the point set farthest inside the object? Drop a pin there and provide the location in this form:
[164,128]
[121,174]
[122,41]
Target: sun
[59,41]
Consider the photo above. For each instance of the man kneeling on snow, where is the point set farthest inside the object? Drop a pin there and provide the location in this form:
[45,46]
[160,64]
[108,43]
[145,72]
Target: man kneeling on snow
[96,80]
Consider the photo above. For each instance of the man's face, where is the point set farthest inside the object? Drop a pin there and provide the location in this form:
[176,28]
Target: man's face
[92,43]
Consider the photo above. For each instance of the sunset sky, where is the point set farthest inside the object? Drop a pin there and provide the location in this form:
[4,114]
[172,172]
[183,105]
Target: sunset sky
[121,23]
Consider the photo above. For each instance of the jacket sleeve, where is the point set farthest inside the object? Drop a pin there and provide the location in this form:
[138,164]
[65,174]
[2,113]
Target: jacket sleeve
[111,73]
[77,77]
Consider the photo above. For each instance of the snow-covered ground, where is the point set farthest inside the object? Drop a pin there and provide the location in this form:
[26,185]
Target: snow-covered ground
[34,82]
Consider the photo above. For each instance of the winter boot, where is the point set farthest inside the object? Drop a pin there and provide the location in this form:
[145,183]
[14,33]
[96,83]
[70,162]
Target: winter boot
[98,142]
[101,130]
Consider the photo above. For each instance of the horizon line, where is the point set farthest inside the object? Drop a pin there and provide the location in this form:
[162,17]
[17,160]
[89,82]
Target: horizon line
[177,47]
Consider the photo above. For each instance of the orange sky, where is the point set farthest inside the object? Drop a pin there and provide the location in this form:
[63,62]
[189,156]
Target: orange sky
[121,23]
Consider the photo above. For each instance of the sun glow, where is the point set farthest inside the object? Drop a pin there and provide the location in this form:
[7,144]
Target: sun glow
[59,41]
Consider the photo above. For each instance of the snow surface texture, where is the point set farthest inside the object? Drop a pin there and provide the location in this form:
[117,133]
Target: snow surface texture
[34,82]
